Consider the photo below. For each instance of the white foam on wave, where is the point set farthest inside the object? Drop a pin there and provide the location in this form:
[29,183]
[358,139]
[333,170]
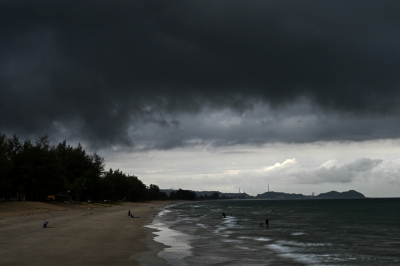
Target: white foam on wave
[164,212]
[298,233]
[301,244]
[226,225]
[218,230]
[229,219]
[231,241]
[245,248]
[290,249]
[263,239]
[256,238]
[186,219]
[287,253]
[202,225]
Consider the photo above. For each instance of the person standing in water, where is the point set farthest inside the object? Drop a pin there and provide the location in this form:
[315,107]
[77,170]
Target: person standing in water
[267,222]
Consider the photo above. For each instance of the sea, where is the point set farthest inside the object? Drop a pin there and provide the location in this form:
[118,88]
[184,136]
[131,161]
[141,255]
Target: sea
[300,232]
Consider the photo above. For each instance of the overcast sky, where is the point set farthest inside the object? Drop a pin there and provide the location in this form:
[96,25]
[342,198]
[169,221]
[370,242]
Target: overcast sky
[212,95]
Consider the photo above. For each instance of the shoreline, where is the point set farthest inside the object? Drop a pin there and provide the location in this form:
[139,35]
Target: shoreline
[87,234]
[150,256]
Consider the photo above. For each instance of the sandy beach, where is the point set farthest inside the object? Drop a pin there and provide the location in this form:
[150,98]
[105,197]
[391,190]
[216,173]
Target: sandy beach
[89,234]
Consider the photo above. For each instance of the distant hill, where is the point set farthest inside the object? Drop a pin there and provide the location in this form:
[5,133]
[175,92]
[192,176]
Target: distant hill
[206,193]
[222,195]
[237,195]
[351,194]
[210,193]
[280,195]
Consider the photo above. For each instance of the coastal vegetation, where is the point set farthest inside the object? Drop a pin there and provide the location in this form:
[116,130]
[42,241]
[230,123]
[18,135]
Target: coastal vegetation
[36,170]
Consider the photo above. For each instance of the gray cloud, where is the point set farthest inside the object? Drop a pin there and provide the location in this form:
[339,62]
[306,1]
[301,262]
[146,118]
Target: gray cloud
[339,174]
[136,73]
[297,124]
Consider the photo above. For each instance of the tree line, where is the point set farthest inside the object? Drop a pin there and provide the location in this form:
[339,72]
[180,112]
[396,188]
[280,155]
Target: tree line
[38,169]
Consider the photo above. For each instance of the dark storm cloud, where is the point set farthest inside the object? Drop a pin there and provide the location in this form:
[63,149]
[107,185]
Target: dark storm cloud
[96,70]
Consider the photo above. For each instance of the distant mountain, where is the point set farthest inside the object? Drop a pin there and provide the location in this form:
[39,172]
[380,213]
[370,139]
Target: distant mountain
[210,193]
[280,195]
[198,193]
[236,195]
[351,194]
[206,193]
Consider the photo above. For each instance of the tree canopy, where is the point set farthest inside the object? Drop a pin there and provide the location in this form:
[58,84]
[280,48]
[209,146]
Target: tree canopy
[38,169]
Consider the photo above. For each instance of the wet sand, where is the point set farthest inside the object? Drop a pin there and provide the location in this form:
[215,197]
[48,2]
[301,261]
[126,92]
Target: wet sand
[76,234]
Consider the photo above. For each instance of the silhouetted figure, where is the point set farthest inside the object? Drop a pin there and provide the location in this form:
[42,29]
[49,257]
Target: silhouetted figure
[129,213]
[224,215]
[45,224]
[267,222]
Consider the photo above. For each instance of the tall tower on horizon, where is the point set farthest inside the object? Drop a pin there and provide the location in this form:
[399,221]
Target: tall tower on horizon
[268,187]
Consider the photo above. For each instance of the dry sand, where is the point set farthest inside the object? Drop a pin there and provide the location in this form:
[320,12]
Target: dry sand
[76,235]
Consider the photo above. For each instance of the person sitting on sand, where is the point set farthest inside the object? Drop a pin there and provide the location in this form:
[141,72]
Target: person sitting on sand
[261,224]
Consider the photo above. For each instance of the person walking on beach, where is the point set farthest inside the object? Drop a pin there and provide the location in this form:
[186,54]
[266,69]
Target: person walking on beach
[267,222]
[224,215]
[129,213]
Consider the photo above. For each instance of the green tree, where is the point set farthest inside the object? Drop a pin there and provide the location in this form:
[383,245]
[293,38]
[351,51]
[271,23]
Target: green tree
[39,169]
[214,195]
[181,194]
[5,167]
[154,192]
